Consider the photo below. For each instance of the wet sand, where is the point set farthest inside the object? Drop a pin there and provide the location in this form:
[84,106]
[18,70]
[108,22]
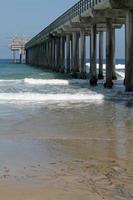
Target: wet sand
[67,152]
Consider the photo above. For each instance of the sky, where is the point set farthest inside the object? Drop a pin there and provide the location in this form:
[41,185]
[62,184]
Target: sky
[29,17]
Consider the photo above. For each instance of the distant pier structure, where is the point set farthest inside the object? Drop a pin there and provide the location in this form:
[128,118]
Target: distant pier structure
[18,45]
[61,46]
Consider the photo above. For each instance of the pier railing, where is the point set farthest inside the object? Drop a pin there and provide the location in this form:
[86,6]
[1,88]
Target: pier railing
[77,10]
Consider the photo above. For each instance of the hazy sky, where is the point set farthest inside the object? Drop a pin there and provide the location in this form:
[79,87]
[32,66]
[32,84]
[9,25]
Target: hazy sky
[28,17]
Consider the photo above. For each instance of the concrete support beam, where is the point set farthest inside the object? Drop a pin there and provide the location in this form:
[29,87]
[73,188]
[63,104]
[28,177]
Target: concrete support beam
[83,54]
[21,58]
[75,54]
[50,54]
[53,54]
[93,69]
[57,54]
[62,54]
[114,77]
[129,52]
[100,75]
[68,38]
[27,56]
[44,55]
[109,54]
[47,49]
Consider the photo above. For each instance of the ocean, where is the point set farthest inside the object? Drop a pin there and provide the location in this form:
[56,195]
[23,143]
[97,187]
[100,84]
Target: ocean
[60,131]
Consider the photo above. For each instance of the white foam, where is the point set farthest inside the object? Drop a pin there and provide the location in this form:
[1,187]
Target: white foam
[121,74]
[53,81]
[36,97]
[4,81]
[119,66]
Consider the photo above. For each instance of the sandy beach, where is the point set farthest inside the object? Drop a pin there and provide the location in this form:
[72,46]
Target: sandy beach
[62,139]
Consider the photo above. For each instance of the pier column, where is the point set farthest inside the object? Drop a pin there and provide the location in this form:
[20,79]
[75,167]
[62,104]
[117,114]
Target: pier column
[129,52]
[109,54]
[75,54]
[100,75]
[53,53]
[39,55]
[21,53]
[83,54]
[62,54]
[57,54]
[68,38]
[93,69]
[50,54]
[47,55]
[114,77]
[27,56]
[43,54]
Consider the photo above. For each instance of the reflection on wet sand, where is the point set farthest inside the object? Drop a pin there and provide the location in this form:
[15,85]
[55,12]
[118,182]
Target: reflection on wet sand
[67,152]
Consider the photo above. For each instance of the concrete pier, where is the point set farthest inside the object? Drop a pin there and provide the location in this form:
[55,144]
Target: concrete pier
[60,40]
[75,54]
[62,54]
[100,75]
[114,76]
[53,54]
[57,55]
[83,54]
[93,70]
[129,52]
[68,38]
[109,54]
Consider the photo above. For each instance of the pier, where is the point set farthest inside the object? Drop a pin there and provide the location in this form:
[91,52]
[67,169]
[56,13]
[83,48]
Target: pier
[18,45]
[61,46]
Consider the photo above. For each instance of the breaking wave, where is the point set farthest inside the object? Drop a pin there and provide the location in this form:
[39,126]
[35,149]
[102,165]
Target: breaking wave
[36,97]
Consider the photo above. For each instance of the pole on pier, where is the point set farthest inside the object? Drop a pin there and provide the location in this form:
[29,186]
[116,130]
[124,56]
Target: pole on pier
[75,54]
[47,54]
[62,54]
[27,56]
[114,77]
[44,54]
[57,55]
[129,52]
[53,54]
[109,54]
[93,69]
[100,75]
[21,58]
[68,53]
[83,54]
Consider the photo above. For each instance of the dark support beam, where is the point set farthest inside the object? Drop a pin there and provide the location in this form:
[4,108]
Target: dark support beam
[83,54]
[21,58]
[68,53]
[100,75]
[114,77]
[53,54]
[57,55]
[109,54]
[129,52]
[75,54]
[27,56]
[62,54]
[93,69]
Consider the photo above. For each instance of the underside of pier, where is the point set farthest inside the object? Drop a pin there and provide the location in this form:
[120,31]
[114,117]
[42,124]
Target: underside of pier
[61,46]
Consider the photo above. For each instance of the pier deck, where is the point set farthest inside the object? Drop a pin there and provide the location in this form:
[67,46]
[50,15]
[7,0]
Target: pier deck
[65,39]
